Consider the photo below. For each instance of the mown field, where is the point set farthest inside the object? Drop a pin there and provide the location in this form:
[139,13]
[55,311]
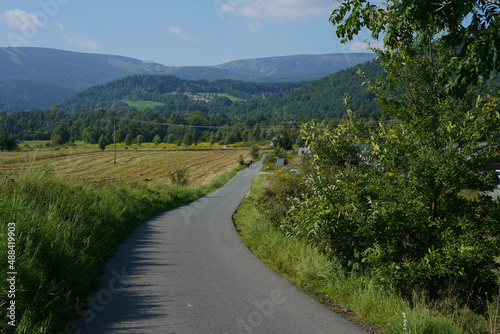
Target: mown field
[133,165]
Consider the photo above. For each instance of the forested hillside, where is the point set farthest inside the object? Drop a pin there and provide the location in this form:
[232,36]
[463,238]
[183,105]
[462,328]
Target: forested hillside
[67,73]
[318,100]
[25,95]
[170,91]
[224,111]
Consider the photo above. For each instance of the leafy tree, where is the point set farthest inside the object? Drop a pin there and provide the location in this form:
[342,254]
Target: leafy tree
[7,143]
[469,28]
[188,139]
[91,134]
[397,210]
[254,151]
[256,135]
[109,138]
[169,139]
[241,160]
[56,140]
[230,137]
[389,199]
[157,140]
[60,136]
[284,140]
[102,142]
[140,139]
[128,139]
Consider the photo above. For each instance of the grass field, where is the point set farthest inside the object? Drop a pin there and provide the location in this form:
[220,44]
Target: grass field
[136,164]
[143,105]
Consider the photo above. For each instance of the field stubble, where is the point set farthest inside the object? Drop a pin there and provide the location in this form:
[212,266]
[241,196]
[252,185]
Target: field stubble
[148,164]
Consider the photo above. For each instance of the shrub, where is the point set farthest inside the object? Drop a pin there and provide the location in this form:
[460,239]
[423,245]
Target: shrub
[128,139]
[254,151]
[157,140]
[102,142]
[7,143]
[277,197]
[241,160]
[179,176]
[140,139]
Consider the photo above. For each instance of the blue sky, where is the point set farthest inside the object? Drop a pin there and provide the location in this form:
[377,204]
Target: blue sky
[175,33]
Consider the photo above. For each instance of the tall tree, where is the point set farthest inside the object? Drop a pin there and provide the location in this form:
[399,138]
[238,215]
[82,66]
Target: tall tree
[389,199]
[102,142]
[60,136]
[7,143]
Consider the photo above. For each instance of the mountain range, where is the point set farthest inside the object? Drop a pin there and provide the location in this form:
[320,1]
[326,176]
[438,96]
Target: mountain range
[33,78]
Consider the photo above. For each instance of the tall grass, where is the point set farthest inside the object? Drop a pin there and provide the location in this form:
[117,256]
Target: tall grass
[360,298]
[65,232]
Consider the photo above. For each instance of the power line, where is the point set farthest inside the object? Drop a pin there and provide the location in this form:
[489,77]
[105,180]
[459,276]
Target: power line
[209,126]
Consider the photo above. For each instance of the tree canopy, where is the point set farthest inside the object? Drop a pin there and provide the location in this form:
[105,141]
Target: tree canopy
[469,28]
[390,199]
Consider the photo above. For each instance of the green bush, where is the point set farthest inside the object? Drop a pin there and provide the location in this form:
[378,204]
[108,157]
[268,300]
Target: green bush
[254,151]
[241,160]
[7,143]
[179,176]
[277,197]
[386,198]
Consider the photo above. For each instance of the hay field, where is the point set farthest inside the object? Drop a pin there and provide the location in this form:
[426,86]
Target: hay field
[135,165]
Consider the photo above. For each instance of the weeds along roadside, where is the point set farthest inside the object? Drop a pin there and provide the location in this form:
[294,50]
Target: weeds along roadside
[65,233]
[358,298]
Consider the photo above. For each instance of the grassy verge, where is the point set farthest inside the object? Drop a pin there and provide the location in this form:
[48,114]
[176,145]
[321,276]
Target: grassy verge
[63,233]
[360,299]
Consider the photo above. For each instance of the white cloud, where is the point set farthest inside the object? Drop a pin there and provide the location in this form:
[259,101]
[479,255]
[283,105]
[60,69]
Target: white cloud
[19,19]
[177,31]
[83,43]
[61,26]
[255,27]
[278,9]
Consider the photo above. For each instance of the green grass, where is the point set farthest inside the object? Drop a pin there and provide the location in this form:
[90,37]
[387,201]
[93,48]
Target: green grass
[143,105]
[368,301]
[65,232]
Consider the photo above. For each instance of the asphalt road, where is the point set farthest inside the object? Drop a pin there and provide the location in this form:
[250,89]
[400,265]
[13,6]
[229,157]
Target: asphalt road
[187,271]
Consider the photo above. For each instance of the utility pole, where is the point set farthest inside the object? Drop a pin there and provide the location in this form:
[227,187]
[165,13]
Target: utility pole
[114,135]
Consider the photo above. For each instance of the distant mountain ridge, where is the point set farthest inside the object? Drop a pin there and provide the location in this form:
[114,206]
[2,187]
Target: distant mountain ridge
[62,74]
[296,68]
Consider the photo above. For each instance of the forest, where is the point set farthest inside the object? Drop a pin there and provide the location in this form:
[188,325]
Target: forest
[233,111]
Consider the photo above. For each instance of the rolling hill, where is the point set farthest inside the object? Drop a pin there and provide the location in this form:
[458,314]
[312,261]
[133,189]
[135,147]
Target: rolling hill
[295,68]
[62,74]
[275,101]
[219,103]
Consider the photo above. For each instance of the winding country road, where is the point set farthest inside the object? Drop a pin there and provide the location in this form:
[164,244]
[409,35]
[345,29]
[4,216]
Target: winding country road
[187,271]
